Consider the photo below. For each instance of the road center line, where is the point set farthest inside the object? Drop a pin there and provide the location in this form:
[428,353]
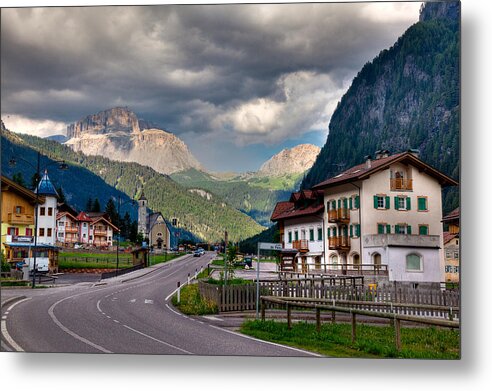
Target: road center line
[157,340]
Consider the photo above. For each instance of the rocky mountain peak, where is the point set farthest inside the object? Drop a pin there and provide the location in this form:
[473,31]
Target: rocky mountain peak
[120,119]
[119,134]
[294,160]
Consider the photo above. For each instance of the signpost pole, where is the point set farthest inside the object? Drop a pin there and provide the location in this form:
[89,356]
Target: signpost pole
[258,281]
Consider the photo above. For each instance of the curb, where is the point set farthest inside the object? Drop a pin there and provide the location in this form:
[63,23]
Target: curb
[11,300]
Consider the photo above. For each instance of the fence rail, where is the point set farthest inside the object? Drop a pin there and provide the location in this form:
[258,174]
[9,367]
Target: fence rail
[120,272]
[394,317]
[243,297]
[342,268]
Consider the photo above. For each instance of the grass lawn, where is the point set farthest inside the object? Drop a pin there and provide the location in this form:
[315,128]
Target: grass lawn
[335,340]
[192,303]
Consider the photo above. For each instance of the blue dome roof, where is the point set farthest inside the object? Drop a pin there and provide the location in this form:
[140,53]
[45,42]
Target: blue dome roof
[45,186]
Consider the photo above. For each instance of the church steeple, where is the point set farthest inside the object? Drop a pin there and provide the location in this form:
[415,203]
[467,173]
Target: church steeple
[142,214]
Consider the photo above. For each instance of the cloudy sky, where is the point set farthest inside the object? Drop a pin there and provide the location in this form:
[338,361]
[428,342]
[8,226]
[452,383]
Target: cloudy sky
[237,83]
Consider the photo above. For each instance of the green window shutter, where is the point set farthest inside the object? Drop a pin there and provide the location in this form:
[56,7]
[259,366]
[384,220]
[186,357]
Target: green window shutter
[388,228]
[396,203]
[296,235]
[357,202]
[380,229]
[357,230]
[409,203]
[345,202]
[351,231]
[334,231]
[311,235]
[345,231]
[333,204]
[290,237]
[409,229]
[387,202]
[320,234]
[397,229]
[422,203]
[350,203]
[339,204]
[328,232]
[375,202]
[423,230]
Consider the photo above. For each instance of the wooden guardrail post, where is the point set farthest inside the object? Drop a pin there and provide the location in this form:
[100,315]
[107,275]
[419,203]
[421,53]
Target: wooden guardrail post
[354,329]
[333,317]
[318,320]
[263,305]
[289,318]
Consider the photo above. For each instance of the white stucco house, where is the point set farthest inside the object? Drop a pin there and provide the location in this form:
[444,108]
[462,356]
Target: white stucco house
[385,214]
[46,213]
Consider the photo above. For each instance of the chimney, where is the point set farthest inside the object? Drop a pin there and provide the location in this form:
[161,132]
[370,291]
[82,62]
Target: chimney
[367,158]
[414,152]
[378,154]
[385,153]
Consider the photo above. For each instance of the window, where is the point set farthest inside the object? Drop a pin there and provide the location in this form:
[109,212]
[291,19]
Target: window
[381,202]
[12,231]
[85,225]
[60,234]
[42,211]
[333,259]
[60,224]
[41,231]
[357,230]
[403,229]
[414,263]
[303,234]
[320,234]
[49,234]
[50,211]
[333,204]
[456,254]
[422,203]
[28,231]
[18,209]
[296,235]
[290,236]
[383,228]
[448,269]
[356,202]
[311,234]
[423,230]
[449,254]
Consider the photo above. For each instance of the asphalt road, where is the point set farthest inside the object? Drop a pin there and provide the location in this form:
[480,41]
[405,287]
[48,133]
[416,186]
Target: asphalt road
[127,314]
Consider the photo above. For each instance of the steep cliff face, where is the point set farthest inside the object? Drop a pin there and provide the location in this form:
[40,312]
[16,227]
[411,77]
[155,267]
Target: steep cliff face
[407,97]
[295,160]
[119,135]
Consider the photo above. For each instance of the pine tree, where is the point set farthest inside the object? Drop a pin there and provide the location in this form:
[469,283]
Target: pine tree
[112,213]
[61,194]
[88,205]
[19,179]
[96,207]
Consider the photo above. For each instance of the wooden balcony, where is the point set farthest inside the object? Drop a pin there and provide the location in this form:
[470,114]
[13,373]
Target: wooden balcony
[401,184]
[20,218]
[301,245]
[100,232]
[339,243]
[72,230]
[340,215]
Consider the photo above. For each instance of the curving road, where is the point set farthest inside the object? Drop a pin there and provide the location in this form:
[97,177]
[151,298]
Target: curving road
[127,314]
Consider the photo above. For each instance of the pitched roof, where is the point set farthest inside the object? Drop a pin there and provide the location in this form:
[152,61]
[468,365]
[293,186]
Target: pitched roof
[82,216]
[453,215]
[287,210]
[10,185]
[45,187]
[447,237]
[59,215]
[363,171]
[101,218]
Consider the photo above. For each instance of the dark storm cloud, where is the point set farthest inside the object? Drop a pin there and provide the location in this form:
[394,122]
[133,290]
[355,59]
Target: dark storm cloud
[219,70]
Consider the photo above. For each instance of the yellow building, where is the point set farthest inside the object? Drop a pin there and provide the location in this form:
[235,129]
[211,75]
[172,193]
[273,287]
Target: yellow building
[17,213]
[452,246]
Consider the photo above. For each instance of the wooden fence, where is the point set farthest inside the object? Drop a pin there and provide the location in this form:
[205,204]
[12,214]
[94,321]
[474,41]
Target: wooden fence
[243,297]
[395,318]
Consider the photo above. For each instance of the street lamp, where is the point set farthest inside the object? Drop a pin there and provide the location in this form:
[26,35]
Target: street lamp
[119,233]
[62,166]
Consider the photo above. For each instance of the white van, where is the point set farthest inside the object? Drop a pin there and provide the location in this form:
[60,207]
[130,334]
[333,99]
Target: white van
[41,264]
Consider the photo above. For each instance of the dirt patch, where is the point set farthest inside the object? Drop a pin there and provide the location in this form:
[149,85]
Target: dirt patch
[91,271]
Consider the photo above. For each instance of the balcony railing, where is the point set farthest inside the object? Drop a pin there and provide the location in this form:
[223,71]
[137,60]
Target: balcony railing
[20,218]
[340,215]
[301,245]
[71,229]
[339,243]
[100,232]
[401,184]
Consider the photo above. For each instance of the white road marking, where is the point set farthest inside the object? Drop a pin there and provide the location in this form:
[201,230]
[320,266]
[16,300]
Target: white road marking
[176,312]
[116,321]
[70,332]
[5,332]
[6,312]
[212,318]
[148,301]
[4,317]
[157,340]
[133,300]
[267,342]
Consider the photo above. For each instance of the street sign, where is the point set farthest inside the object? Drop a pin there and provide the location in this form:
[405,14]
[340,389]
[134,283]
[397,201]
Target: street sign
[269,246]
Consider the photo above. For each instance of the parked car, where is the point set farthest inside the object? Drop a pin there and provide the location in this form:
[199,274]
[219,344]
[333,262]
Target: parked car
[197,253]
[201,250]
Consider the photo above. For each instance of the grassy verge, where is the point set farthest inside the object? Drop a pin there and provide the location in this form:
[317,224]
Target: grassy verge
[335,340]
[191,303]
[10,282]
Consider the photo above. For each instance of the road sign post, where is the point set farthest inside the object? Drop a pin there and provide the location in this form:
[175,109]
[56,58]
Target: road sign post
[262,246]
